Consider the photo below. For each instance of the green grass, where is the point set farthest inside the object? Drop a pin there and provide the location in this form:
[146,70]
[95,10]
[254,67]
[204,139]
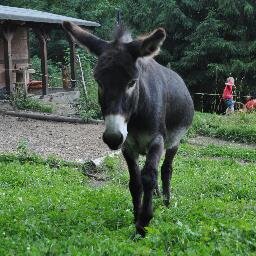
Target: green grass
[21,101]
[35,105]
[223,152]
[57,211]
[240,127]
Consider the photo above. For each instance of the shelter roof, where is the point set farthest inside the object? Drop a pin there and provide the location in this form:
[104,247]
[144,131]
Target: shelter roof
[30,15]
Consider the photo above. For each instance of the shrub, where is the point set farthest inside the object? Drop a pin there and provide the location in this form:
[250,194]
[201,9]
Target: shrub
[21,101]
[88,106]
[54,71]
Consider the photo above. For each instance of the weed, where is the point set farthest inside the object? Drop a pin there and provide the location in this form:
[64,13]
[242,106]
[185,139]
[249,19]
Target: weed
[22,148]
[21,101]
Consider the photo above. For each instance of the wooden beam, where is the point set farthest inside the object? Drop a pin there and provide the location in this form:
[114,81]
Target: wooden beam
[44,65]
[7,33]
[72,53]
[43,37]
[50,117]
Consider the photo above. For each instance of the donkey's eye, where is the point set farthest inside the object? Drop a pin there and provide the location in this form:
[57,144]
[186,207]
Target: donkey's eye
[131,83]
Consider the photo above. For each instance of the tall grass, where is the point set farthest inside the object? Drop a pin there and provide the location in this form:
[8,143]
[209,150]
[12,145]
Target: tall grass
[240,127]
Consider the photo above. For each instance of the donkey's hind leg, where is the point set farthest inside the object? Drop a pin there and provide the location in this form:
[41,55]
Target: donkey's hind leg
[166,173]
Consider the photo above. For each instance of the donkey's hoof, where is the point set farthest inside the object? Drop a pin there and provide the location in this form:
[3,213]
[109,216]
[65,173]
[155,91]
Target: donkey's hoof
[140,230]
[166,201]
[156,193]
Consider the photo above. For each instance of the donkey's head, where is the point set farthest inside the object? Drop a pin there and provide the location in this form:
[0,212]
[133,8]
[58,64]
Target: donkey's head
[117,74]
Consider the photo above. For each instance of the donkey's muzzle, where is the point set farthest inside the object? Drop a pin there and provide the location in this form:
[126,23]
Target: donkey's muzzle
[113,140]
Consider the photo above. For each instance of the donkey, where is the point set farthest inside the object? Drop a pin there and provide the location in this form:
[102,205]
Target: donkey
[146,107]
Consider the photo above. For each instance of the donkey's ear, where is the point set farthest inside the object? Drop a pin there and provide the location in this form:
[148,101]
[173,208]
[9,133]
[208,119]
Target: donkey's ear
[149,45]
[84,38]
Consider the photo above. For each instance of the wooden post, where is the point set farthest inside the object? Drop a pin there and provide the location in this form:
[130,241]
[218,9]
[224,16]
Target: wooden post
[42,36]
[7,39]
[72,62]
[44,66]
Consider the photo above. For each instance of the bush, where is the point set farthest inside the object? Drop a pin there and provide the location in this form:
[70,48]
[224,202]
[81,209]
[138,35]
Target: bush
[88,106]
[21,101]
[54,71]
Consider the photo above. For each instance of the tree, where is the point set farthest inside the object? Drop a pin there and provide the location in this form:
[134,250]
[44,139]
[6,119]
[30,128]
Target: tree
[207,40]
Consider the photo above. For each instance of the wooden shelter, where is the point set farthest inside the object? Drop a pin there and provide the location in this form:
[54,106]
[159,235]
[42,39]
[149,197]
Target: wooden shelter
[15,24]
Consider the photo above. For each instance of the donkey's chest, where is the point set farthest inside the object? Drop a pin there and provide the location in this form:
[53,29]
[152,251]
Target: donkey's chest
[139,142]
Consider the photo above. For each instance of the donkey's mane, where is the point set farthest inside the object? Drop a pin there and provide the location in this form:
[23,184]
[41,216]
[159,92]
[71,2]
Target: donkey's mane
[122,34]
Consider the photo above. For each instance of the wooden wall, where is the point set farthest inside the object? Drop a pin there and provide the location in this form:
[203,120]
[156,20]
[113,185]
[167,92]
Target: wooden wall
[20,54]
[2,75]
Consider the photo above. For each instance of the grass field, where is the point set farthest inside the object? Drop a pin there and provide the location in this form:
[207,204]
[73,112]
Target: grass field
[47,210]
[240,127]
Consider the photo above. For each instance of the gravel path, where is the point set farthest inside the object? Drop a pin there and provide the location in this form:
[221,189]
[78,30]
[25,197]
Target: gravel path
[74,142]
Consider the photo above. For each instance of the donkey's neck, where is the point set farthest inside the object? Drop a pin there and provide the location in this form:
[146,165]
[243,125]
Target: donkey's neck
[142,97]
[146,90]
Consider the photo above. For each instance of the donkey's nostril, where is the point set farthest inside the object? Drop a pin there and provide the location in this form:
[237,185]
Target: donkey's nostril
[113,140]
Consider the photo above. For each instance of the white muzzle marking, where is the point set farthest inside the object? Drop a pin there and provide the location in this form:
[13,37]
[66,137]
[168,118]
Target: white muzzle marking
[115,124]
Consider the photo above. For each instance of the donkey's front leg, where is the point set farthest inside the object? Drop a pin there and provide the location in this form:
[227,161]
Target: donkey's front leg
[135,185]
[149,179]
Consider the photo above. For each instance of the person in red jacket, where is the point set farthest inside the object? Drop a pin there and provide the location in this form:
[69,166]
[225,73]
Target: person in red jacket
[227,95]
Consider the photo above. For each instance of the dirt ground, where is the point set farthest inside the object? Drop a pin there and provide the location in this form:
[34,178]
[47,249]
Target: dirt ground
[74,142]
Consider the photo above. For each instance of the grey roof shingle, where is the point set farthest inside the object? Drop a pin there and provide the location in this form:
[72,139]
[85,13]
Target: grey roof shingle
[22,14]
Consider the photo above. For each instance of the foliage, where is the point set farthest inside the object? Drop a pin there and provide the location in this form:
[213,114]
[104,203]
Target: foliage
[22,149]
[239,127]
[102,11]
[21,101]
[56,211]
[207,41]
[88,106]
[54,71]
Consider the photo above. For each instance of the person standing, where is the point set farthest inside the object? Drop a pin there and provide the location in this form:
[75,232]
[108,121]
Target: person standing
[227,95]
